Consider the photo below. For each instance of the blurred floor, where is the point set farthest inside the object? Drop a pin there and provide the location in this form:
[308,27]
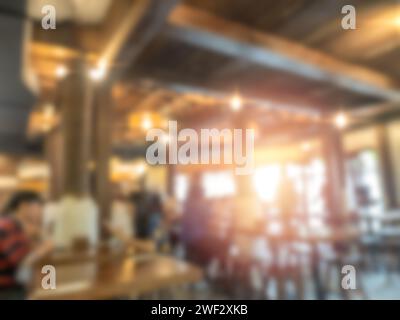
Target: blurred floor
[378,286]
[383,286]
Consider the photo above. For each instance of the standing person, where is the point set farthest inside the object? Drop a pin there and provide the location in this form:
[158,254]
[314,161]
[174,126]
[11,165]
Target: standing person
[195,223]
[20,241]
[172,217]
[155,215]
[122,225]
[149,214]
[140,220]
[122,213]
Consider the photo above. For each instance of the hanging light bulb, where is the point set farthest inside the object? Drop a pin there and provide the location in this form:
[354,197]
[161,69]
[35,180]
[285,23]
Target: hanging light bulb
[147,123]
[397,21]
[341,120]
[140,169]
[98,73]
[61,71]
[236,102]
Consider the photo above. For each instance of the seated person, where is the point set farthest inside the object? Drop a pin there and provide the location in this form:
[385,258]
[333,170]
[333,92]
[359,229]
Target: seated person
[120,226]
[122,213]
[20,241]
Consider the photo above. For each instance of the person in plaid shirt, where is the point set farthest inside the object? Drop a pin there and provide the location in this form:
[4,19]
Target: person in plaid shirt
[20,229]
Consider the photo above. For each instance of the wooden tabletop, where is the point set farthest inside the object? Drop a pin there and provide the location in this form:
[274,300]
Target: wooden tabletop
[101,252]
[67,256]
[120,277]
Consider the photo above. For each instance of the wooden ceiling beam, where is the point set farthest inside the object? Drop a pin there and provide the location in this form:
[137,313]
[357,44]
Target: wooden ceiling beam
[205,30]
[117,41]
[144,21]
[182,84]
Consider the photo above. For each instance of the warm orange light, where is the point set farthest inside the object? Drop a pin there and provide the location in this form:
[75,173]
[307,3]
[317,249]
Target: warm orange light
[147,123]
[146,120]
[99,72]
[236,103]
[126,170]
[166,138]
[140,169]
[61,71]
[341,120]
[306,146]
[42,120]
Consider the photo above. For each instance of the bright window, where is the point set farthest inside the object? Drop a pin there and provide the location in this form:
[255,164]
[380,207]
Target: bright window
[181,187]
[218,184]
[266,181]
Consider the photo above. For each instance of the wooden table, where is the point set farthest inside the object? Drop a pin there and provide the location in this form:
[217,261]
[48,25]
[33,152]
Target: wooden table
[120,277]
[101,252]
[68,256]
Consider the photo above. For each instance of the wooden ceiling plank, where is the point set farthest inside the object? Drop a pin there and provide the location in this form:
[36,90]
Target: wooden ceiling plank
[183,84]
[267,104]
[204,30]
[141,25]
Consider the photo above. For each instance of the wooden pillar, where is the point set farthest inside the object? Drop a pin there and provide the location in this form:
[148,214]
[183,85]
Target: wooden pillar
[102,148]
[245,185]
[335,172]
[247,203]
[386,165]
[171,175]
[54,156]
[76,107]
[77,220]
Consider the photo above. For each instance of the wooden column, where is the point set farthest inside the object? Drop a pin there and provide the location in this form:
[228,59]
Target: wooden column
[335,172]
[386,165]
[171,175]
[102,148]
[246,200]
[244,183]
[76,107]
[54,156]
